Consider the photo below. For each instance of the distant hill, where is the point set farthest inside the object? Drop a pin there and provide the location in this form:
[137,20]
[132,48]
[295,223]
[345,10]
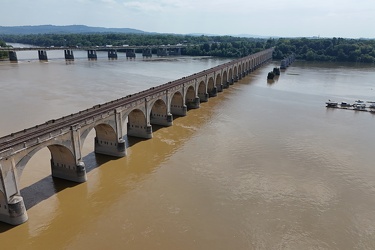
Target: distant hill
[69,29]
[81,29]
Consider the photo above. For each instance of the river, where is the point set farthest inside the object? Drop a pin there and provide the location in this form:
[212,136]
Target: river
[264,165]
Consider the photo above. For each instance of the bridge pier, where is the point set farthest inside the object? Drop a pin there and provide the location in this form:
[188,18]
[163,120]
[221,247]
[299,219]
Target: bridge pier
[203,97]
[13,211]
[179,110]
[112,54]
[220,87]
[91,54]
[42,54]
[105,147]
[130,53]
[13,56]
[165,120]
[213,92]
[139,131]
[12,207]
[162,52]
[174,52]
[68,54]
[75,173]
[195,104]
[226,85]
[147,52]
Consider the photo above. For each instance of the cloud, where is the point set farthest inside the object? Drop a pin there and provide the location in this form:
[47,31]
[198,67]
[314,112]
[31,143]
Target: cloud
[156,5]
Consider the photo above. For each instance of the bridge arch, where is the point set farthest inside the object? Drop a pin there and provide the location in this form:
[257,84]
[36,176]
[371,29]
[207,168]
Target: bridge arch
[103,131]
[61,157]
[191,100]
[202,92]
[159,113]
[137,124]
[108,138]
[63,163]
[178,106]
[218,83]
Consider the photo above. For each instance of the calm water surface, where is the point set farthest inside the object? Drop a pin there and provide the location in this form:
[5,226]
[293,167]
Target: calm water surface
[261,166]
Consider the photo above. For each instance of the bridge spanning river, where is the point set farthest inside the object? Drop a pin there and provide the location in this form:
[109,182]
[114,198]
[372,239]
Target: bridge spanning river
[64,137]
[161,50]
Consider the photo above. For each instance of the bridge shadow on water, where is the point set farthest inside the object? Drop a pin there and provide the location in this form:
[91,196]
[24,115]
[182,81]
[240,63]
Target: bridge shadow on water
[49,186]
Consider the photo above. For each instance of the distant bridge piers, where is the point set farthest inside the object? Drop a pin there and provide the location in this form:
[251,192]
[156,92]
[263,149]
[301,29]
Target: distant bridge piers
[68,54]
[130,53]
[147,52]
[165,51]
[112,54]
[174,51]
[91,54]
[42,55]
[13,56]
[162,52]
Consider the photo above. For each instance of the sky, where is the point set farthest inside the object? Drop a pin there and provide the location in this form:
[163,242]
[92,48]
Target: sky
[282,18]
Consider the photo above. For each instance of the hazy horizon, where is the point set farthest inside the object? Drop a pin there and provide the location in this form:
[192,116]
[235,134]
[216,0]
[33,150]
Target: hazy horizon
[289,18]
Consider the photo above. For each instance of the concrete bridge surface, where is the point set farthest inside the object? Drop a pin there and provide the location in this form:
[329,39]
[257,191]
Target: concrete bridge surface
[132,115]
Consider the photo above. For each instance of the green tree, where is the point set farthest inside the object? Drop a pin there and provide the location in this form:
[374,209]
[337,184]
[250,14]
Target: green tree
[3,54]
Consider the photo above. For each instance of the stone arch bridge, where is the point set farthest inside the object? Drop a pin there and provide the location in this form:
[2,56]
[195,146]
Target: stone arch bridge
[64,137]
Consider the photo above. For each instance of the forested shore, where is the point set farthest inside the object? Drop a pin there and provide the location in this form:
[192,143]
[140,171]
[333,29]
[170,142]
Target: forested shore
[3,54]
[310,49]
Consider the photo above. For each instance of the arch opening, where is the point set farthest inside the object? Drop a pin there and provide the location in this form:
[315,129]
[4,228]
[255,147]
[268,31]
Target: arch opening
[137,125]
[159,114]
[191,100]
[177,105]
[202,92]
[218,83]
[230,76]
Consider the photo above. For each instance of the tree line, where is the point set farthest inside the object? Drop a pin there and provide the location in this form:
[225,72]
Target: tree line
[326,49]
[311,49]
[221,46]
[3,54]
